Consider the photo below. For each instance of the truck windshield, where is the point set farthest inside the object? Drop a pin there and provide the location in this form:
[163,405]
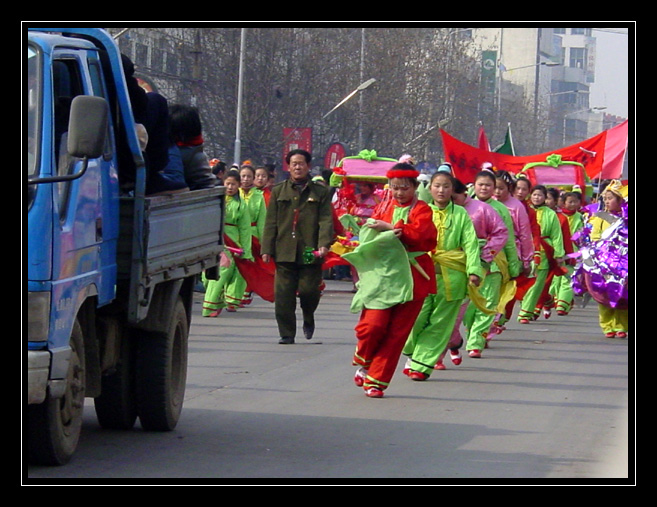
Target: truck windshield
[33,110]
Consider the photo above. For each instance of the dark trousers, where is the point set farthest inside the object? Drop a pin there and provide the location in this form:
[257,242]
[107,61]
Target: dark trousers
[292,279]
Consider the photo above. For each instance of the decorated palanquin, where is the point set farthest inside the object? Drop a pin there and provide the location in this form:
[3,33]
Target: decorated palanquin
[360,182]
[562,174]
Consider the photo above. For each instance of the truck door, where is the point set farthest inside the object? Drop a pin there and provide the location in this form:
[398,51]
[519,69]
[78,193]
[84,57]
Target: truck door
[84,225]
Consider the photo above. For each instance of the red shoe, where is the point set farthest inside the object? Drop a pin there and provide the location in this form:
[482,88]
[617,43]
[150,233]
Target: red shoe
[455,356]
[610,335]
[418,375]
[524,321]
[497,329]
[621,334]
[439,366]
[374,392]
[359,377]
[476,353]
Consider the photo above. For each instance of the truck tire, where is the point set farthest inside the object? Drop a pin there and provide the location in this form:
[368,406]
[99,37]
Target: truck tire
[116,407]
[162,373]
[54,426]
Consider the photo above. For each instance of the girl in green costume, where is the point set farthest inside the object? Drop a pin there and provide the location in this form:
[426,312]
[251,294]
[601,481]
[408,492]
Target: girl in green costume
[254,199]
[237,226]
[552,247]
[562,286]
[498,287]
[456,259]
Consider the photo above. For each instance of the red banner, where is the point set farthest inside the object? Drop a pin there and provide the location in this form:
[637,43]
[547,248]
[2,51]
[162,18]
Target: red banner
[294,139]
[602,155]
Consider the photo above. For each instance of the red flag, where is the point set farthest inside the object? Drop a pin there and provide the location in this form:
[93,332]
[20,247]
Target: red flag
[482,140]
[332,259]
[603,153]
[258,274]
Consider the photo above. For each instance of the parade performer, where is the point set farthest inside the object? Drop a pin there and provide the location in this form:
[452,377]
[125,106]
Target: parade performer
[255,202]
[563,287]
[498,286]
[552,250]
[547,299]
[526,279]
[263,182]
[225,292]
[559,293]
[505,190]
[457,263]
[366,201]
[493,236]
[391,291]
[603,265]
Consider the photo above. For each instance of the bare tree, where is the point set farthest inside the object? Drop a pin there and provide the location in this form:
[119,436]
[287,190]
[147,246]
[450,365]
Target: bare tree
[293,76]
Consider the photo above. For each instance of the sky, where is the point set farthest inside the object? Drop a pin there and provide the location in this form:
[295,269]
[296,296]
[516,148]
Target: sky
[611,87]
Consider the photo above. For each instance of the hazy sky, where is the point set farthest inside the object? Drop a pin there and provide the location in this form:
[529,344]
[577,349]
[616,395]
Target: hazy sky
[611,87]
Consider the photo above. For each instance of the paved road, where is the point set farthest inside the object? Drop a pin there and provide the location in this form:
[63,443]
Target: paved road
[548,403]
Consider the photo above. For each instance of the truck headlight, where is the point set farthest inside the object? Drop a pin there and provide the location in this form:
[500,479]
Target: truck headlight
[38,313]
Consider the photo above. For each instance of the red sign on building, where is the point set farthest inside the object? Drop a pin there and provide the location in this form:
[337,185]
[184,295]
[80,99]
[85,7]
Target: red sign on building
[296,138]
[334,154]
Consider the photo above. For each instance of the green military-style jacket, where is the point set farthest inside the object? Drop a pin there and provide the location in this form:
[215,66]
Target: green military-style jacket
[296,220]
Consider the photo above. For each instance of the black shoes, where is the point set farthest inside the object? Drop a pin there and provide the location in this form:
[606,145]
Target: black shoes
[308,331]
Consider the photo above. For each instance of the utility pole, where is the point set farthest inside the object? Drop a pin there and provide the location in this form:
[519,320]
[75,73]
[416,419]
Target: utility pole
[240,82]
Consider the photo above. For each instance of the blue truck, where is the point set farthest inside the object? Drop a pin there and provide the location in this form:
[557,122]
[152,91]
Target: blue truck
[111,271]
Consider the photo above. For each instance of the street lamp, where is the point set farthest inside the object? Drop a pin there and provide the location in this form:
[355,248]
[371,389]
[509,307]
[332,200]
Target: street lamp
[569,91]
[597,108]
[361,87]
[548,63]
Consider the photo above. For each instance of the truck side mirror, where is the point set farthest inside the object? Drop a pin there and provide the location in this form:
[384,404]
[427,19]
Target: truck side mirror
[87,126]
[87,133]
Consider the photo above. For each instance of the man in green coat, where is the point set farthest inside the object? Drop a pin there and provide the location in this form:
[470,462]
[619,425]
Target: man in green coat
[299,221]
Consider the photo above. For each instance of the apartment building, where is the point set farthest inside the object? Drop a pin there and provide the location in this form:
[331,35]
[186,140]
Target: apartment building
[551,69]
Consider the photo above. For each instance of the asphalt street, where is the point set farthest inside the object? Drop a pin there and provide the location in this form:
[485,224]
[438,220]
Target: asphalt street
[548,403]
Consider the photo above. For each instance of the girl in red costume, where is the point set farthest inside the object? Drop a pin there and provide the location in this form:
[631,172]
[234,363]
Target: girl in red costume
[383,328]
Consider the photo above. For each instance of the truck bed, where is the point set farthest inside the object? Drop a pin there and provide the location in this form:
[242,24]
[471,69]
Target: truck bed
[182,235]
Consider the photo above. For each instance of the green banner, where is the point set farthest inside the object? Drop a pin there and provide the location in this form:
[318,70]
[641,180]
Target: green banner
[488,72]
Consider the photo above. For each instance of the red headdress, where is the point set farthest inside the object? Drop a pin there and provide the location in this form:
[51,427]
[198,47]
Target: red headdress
[402,170]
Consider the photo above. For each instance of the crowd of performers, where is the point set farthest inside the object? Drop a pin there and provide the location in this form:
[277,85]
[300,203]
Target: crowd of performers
[430,258]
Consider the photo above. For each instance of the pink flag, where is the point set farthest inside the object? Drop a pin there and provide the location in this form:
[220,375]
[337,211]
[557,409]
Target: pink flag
[614,155]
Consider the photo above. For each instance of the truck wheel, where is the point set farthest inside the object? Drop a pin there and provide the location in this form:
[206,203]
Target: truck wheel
[116,407]
[54,426]
[162,373]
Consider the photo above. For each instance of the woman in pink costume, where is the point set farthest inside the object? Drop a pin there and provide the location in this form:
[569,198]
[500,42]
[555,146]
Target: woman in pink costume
[505,188]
